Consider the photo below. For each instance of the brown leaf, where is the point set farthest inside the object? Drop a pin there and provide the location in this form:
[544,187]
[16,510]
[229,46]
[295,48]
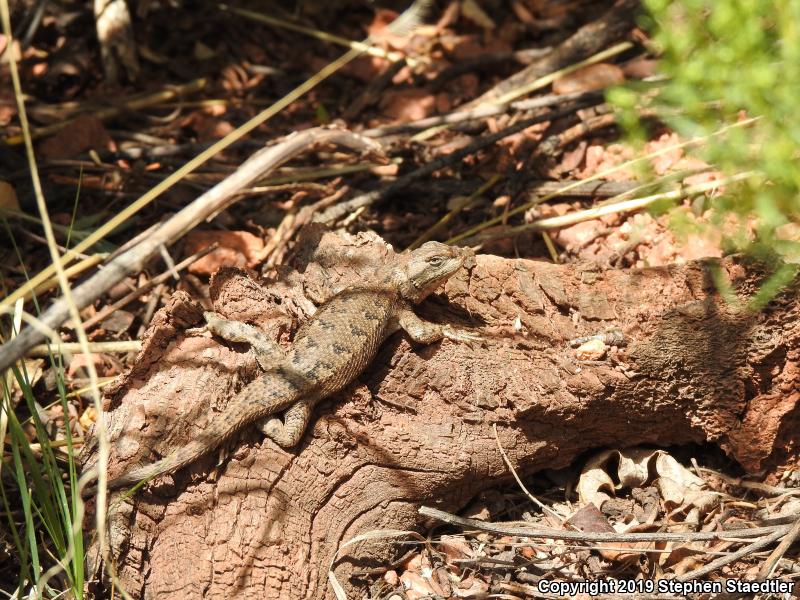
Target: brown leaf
[640,68]
[593,77]
[408,105]
[86,132]
[8,197]
[472,587]
[590,520]
[455,547]
[236,249]
[416,586]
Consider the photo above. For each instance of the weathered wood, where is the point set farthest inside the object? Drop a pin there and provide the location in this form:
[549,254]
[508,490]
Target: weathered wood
[417,428]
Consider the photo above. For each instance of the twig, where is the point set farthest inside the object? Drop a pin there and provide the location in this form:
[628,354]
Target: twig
[112,111]
[511,468]
[139,291]
[777,554]
[606,209]
[770,490]
[343,208]
[558,534]
[481,112]
[586,41]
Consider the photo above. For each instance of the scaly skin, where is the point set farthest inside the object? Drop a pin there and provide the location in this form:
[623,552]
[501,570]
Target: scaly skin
[328,353]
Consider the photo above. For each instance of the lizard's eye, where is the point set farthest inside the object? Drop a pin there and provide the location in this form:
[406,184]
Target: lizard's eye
[436,260]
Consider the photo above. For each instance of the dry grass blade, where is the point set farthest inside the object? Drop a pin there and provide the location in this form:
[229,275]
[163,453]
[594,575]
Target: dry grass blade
[320,35]
[596,177]
[153,99]
[71,309]
[611,207]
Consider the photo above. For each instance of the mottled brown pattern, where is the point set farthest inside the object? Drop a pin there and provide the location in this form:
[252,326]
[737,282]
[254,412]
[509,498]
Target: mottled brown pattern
[328,353]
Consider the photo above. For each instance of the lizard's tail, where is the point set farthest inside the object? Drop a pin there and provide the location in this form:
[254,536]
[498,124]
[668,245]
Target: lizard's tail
[241,411]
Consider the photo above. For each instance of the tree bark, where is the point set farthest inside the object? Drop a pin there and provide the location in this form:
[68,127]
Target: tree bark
[416,428]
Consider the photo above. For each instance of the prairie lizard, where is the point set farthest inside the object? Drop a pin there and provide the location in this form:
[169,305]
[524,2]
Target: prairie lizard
[328,353]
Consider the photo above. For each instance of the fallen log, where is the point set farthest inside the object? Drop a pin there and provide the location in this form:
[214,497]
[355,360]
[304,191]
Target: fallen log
[417,427]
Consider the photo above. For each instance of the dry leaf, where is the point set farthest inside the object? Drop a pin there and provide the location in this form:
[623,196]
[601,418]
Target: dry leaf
[391,577]
[88,418]
[236,249]
[416,586]
[8,197]
[678,486]
[593,77]
[33,371]
[472,587]
[408,105]
[594,480]
[589,519]
[85,133]
[455,547]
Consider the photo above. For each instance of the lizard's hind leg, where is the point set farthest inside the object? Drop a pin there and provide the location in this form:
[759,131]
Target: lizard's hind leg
[268,353]
[287,433]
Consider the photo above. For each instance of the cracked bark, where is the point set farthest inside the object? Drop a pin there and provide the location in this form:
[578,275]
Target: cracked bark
[416,428]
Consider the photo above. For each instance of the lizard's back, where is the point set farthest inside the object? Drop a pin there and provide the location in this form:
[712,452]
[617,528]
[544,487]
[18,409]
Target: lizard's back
[338,343]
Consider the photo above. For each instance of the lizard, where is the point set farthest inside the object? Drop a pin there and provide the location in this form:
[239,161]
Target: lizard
[328,352]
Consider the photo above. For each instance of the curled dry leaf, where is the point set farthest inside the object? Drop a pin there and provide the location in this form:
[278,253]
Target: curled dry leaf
[88,417]
[594,483]
[391,577]
[33,371]
[416,586]
[678,486]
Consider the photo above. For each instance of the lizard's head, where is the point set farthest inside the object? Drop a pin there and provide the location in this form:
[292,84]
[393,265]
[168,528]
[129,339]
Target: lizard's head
[429,266]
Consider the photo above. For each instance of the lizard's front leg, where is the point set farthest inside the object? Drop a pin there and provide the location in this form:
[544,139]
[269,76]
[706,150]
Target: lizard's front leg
[268,353]
[287,433]
[425,332]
